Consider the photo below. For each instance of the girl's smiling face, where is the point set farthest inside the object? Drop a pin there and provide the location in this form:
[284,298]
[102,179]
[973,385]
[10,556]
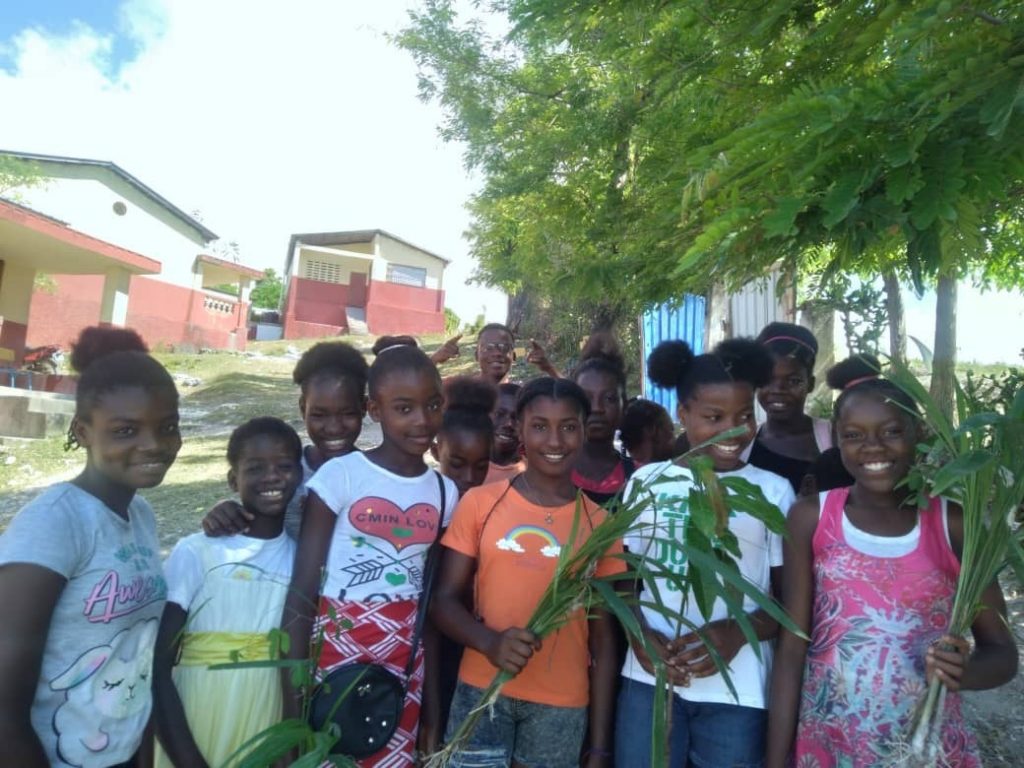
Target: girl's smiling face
[131,435]
[784,396]
[332,410]
[494,353]
[266,475]
[407,403]
[551,432]
[464,456]
[877,441]
[717,408]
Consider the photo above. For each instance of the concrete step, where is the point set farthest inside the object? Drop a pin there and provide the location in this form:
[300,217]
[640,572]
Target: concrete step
[356,319]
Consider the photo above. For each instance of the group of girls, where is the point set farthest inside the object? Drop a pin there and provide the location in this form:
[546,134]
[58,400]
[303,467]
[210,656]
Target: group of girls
[327,541]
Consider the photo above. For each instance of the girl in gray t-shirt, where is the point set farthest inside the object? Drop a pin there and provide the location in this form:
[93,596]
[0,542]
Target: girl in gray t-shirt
[80,574]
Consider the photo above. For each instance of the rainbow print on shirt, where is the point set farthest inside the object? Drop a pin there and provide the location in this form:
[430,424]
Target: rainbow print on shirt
[523,536]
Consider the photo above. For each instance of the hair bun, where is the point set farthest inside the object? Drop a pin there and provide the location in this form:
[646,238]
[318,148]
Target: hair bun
[668,362]
[745,360]
[97,342]
[469,393]
[860,366]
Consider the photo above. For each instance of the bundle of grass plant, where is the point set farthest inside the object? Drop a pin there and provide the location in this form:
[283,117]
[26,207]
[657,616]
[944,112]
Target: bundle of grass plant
[979,464]
[712,572]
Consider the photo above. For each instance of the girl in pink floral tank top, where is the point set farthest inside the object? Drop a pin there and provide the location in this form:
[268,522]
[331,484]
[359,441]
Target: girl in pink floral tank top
[874,617]
[871,579]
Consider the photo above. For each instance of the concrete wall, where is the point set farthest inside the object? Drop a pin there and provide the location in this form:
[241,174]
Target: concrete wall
[393,308]
[161,313]
[312,301]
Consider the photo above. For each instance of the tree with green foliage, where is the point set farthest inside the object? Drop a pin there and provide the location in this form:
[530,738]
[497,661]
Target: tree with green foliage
[17,175]
[631,151]
[266,294]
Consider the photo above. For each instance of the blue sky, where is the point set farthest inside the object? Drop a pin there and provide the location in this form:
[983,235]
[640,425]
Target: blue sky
[63,17]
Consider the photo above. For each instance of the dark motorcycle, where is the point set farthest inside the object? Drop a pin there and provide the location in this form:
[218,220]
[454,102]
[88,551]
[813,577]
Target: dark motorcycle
[46,359]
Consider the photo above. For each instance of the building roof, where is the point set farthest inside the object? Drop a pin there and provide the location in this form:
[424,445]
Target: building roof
[347,238]
[50,245]
[230,266]
[117,170]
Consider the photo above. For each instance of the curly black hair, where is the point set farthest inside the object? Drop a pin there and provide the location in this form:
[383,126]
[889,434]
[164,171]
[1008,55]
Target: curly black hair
[332,359]
[673,364]
[469,401]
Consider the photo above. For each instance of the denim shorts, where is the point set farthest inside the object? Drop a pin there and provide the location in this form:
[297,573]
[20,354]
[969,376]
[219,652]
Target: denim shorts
[702,734]
[533,735]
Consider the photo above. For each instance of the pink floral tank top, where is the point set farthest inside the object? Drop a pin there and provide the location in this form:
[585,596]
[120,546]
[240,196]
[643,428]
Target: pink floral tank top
[873,620]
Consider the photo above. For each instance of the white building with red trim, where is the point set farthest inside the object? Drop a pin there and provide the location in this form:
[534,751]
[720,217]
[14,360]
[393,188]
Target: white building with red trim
[367,281]
[89,243]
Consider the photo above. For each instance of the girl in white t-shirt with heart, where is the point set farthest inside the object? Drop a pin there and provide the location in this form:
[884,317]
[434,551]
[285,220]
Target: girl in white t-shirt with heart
[369,522]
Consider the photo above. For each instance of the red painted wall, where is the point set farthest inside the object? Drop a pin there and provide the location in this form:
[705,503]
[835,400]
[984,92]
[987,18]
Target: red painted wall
[160,312]
[314,309]
[314,301]
[57,318]
[393,308]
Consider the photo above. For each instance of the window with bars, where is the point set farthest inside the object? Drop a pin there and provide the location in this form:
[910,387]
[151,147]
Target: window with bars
[324,271]
[404,275]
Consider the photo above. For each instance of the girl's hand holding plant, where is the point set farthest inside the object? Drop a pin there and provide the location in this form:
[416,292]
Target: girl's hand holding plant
[723,635]
[678,673]
[946,660]
[511,649]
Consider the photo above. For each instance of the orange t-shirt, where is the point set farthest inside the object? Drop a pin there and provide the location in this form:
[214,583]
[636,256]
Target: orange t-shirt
[516,553]
[499,472]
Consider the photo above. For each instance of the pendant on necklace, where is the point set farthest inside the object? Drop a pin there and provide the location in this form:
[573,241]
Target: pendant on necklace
[549,518]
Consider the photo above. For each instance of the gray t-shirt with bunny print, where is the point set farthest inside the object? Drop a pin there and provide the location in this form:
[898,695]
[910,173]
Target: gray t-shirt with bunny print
[93,698]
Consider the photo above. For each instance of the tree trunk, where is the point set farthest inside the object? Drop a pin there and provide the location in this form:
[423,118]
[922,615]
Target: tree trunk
[716,318]
[944,353]
[518,304]
[821,321]
[897,320]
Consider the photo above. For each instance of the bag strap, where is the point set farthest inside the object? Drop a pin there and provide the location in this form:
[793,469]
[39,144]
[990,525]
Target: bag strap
[433,557]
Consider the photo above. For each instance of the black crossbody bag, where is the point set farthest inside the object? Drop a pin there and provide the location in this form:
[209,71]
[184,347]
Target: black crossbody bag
[366,700]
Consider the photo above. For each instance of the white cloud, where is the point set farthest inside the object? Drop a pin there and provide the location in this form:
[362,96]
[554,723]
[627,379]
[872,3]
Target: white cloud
[551,550]
[269,119]
[509,545]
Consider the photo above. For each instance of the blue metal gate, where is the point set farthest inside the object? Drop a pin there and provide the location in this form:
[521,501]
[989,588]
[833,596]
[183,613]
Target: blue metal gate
[683,320]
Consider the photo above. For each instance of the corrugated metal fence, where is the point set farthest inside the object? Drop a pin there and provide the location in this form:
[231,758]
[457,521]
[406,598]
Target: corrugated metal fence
[683,320]
[755,305]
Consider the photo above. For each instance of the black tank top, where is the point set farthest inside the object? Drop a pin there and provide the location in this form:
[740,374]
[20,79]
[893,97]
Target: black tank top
[792,469]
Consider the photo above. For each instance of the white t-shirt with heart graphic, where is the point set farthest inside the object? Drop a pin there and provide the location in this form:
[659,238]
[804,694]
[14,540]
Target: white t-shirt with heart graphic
[386,524]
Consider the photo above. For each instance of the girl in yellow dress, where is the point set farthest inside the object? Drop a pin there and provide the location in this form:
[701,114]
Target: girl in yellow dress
[224,596]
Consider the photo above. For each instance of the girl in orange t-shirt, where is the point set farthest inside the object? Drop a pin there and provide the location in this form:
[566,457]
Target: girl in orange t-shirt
[505,539]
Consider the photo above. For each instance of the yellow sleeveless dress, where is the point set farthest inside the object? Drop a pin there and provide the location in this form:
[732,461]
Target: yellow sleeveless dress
[229,620]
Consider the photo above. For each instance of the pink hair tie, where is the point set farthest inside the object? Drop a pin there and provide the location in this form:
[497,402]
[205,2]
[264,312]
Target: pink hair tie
[861,380]
[794,339]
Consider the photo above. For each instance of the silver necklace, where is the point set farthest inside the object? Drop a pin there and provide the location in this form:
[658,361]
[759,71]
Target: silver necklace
[549,518]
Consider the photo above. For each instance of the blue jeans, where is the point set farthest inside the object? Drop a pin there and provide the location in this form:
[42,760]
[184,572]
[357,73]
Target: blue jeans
[702,734]
[533,735]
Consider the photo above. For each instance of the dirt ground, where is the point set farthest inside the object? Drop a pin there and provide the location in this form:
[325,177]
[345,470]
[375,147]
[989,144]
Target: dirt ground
[233,388]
